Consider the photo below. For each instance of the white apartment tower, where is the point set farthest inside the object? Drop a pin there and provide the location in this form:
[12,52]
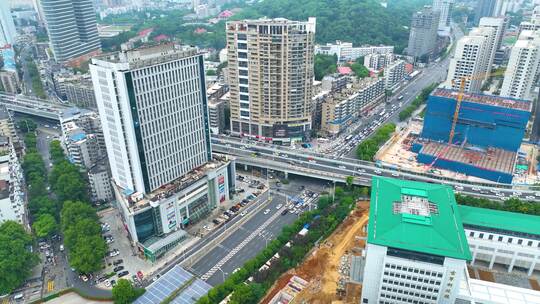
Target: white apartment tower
[416,249]
[8,32]
[471,60]
[444,7]
[522,66]
[497,23]
[271,75]
[152,104]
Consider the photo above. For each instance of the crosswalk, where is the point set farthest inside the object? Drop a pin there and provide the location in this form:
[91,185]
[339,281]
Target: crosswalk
[239,247]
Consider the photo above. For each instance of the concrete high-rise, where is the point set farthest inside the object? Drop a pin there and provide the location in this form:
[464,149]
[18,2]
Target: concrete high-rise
[423,34]
[444,7]
[152,104]
[497,23]
[72,29]
[522,67]
[471,60]
[8,32]
[270,75]
[153,108]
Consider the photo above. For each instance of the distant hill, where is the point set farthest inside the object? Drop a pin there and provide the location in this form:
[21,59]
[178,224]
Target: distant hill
[357,21]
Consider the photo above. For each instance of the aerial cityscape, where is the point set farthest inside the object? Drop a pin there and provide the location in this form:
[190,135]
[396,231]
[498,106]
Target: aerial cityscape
[270,151]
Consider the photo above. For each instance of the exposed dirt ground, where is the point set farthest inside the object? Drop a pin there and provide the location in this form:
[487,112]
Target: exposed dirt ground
[320,268]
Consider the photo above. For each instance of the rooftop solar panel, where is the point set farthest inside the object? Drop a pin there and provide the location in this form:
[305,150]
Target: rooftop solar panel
[169,282]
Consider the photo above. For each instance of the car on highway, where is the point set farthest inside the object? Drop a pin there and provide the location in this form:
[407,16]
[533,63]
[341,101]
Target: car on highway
[395,174]
[342,167]
[266,211]
[529,197]
[284,212]
[377,171]
[279,206]
[243,213]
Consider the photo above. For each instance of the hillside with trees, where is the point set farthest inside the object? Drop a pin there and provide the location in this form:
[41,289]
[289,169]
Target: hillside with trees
[356,21]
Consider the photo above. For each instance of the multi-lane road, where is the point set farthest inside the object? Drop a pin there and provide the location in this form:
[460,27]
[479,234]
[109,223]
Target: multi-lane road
[319,165]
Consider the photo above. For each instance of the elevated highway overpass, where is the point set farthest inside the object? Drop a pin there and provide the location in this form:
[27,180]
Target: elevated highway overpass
[33,106]
[308,163]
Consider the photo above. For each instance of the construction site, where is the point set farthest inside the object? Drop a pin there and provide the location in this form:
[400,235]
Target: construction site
[330,273]
[478,138]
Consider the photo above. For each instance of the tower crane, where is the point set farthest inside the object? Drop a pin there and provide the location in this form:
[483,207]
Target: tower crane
[462,83]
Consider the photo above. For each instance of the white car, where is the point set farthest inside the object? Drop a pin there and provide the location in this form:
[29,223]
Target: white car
[395,174]
[243,213]
[476,189]
[107,283]
[529,197]
[266,211]
[279,206]
[378,171]
[342,167]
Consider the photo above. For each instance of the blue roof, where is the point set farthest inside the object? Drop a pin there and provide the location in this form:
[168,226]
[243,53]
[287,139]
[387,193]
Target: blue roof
[78,136]
[174,279]
[9,59]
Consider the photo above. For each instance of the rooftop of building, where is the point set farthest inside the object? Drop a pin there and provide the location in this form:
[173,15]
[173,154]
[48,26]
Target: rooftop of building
[147,55]
[498,101]
[416,216]
[498,219]
[100,166]
[351,90]
[138,201]
[74,113]
[491,159]
[269,21]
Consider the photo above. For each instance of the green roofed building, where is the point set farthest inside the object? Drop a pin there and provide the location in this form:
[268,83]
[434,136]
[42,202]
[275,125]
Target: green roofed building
[505,238]
[415,242]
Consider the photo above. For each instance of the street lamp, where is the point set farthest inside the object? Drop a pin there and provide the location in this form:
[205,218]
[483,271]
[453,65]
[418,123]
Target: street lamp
[222,273]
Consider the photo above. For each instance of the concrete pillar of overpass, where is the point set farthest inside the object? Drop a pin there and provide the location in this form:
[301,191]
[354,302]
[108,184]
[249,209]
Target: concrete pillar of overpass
[533,265]
[286,174]
[245,167]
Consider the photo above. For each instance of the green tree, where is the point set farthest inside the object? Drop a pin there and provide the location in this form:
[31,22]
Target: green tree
[211,73]
[56,151]
[349,180]
[82,236]
[247,294]
[26,125]
[44,226]
[16,261]
[324,65]
[124,293]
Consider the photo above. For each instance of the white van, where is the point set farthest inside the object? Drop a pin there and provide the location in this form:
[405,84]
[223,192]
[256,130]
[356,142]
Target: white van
[18,297]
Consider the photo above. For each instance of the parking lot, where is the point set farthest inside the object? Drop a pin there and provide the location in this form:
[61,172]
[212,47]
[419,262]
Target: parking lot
[121,259]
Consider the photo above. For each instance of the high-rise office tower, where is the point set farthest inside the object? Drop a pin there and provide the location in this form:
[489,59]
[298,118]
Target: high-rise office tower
[471,60]
[152,104]
[72,28]
[416,248]
[423,34]
[444,7]
[8,32]
[153,108]
[270,75]
[522,67]
[490,8]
